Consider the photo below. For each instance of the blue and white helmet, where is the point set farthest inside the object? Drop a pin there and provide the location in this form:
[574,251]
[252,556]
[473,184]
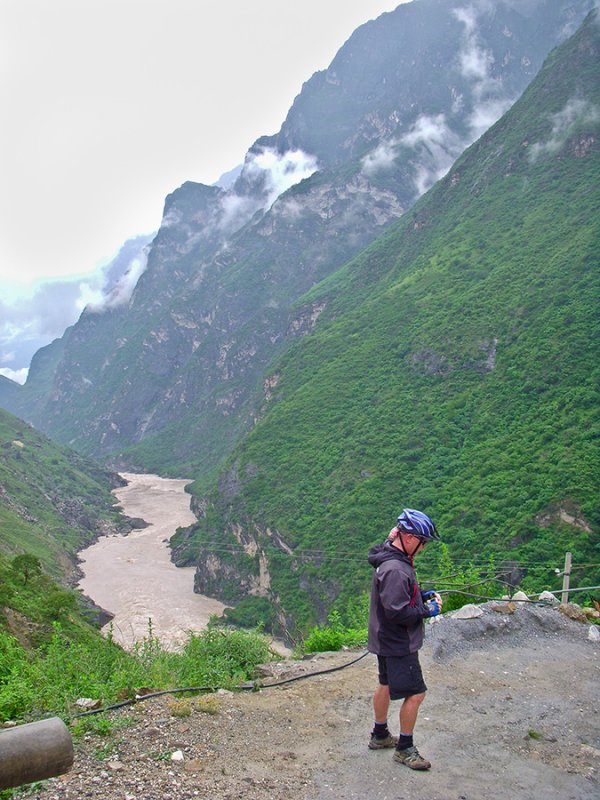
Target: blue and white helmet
[417,523]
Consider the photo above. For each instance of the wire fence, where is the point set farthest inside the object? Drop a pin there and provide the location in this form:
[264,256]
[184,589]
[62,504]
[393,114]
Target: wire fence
[503,575]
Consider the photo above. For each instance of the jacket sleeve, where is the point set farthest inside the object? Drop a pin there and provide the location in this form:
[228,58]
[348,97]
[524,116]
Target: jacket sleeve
[395,596]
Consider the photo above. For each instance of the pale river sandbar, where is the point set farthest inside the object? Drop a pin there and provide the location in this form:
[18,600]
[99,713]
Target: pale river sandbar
[133,576]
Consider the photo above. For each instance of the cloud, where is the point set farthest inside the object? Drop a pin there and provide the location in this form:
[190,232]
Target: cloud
[475,63]
[29,323]
[265,176]
[485,115]
[117,290]
[381,159]
[278,172]
[236,211]
[18,376]
[437,147]
[435,138]
[577,111]
[172,218]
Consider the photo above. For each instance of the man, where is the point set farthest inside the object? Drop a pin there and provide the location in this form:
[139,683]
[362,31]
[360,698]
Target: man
[396,630]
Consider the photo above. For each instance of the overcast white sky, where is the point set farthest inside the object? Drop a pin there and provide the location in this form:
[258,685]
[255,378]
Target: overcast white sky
[109,105]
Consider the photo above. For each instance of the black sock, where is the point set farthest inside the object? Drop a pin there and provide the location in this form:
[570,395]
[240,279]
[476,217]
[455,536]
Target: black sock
[381,730]
[404,741]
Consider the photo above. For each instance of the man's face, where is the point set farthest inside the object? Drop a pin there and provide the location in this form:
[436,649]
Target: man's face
[412,544]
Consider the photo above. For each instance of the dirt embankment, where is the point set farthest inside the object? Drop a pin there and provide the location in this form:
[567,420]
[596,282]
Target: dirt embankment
[512,712]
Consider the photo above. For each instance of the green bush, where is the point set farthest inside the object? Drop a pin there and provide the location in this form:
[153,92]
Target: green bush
[218,657]
[252,612]
[17,687]
[53,677]
[334,636]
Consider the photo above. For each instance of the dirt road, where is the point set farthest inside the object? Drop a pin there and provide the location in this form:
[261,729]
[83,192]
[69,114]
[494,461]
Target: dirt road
[133,576]
[512,712]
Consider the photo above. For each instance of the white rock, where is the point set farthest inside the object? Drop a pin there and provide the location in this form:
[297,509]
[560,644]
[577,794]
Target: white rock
[470,611]
[88,703]
[549,597]
[590,751]
[520,596]
[177,755]
[594,633]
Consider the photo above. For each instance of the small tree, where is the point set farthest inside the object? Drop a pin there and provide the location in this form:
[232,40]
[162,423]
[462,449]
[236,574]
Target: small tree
[27,566]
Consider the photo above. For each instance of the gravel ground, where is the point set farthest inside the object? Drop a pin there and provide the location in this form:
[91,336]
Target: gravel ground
[512,711]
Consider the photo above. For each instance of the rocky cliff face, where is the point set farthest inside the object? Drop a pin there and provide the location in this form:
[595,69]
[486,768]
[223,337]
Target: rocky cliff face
[441,368]
[172,379]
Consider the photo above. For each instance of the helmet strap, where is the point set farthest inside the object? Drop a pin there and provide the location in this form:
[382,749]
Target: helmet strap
[403,548]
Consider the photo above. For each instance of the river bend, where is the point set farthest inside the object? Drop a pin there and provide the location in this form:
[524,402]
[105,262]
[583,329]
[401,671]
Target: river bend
[133,576]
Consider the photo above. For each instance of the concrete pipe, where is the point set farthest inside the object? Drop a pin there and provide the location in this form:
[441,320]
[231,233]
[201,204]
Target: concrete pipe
[34,752]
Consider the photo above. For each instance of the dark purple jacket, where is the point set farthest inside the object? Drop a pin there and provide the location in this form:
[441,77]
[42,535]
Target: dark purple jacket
[397,611]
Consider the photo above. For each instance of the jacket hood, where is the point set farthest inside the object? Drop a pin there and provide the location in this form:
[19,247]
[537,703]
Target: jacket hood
[385,552]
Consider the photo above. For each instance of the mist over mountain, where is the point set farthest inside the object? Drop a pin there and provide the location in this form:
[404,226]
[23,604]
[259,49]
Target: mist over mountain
[27,326]
[453,367]
[171,376]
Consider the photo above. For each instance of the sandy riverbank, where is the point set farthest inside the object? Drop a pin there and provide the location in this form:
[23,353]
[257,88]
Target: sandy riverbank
[133,577]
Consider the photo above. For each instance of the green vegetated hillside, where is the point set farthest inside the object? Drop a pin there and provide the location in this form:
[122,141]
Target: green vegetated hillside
[52,501]
[172,379]
[454,369]
[51,654]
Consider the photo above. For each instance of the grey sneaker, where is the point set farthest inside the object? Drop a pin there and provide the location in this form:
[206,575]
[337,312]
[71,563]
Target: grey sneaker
[388,741]
[412,758]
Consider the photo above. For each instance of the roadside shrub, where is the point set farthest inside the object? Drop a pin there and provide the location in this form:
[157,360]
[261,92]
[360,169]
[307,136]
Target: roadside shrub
[51,678]
[334,636]
[17,690]
[221,657]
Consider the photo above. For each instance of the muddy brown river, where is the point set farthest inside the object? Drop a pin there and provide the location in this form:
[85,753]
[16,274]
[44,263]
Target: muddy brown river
[133,576]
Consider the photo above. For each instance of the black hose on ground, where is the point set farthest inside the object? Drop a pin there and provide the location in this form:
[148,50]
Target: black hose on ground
[244,687]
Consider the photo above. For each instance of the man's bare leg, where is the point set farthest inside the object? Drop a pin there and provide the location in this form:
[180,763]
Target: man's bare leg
[409,711]
[406,753]
[381,737]
[381,703]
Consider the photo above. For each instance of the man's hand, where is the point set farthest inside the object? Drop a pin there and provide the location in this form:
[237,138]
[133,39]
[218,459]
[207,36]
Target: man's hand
[430,595]
[433,608]
[433,602]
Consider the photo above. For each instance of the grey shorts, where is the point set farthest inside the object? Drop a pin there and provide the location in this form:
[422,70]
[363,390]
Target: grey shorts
[402,674]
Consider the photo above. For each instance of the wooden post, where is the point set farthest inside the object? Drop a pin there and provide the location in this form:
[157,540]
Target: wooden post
[34,752]
[566,576]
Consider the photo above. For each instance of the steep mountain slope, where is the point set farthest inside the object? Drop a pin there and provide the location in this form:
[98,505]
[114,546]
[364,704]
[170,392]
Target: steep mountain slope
[173,380]
[454,366]
[52,501]
[9,391]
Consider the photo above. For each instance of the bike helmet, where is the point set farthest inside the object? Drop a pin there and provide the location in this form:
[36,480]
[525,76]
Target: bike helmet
[417,523]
